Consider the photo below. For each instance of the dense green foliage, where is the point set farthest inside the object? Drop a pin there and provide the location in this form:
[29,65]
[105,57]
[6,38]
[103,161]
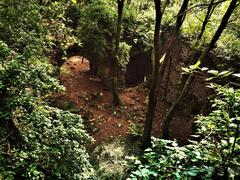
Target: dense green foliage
[96,23]
[215,155]
[37,141]
[97,36]
[22,26]
[228,44]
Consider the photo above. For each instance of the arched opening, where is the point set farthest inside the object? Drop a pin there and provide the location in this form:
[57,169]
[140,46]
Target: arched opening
[138,68]
[76,50]
[75,66]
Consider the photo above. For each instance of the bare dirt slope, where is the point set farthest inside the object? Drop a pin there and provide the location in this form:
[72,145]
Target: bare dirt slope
[106,122]
[88,93]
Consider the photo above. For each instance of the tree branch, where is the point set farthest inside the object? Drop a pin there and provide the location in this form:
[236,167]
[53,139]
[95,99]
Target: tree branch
[198,5]
[7,137]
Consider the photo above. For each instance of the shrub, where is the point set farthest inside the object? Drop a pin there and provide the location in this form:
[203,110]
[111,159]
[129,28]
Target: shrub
[37,141]
[51,144]
[215,155]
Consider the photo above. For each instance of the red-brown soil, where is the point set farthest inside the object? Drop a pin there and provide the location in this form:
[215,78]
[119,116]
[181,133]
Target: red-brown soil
[89,94]
[105,121]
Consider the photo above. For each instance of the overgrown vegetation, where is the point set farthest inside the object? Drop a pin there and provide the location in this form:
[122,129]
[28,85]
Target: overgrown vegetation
[37,141]
[41,141]
[214,155]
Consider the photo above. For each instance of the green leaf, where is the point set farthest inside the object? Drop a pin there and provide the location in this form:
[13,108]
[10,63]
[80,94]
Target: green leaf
[74,1]
[195,66]
[193,172]
[224,142]
[224,73]
[214,72]
[204,69]
[237,75]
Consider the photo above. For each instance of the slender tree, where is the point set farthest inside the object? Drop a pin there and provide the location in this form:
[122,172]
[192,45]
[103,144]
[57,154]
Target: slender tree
[155,75]
[181,15]
[210,10]
[159,68]
[168,61]
[204,54]
[115,59]
[195,54]
[222,25]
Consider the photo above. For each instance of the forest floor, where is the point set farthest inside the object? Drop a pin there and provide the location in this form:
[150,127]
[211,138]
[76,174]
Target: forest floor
[86,95]
[94,102]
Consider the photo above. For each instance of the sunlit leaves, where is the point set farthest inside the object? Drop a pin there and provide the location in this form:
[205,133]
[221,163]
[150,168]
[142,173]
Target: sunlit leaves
[191,68]
[237,75]
[216,74]
[45,142]
[209,157]
[74,1]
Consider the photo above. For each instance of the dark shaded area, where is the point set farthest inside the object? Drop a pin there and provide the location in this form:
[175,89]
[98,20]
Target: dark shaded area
[138,67]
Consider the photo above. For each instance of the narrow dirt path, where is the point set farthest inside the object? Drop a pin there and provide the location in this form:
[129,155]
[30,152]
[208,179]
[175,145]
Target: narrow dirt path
[88,93]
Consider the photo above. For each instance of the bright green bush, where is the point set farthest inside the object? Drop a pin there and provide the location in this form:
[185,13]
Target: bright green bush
[21,26]
[228,44]
[124,55]
[59,35]
[31,28]
[36,141]
[51,145]
[138,28]
[96,27]
[229,40]
[216,155]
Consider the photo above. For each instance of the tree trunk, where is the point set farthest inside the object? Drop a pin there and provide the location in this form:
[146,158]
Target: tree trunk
[165,93]
[180,19]
[168,118]
[181,15]
[195,55]
[115,59]
[152,94]
[158,73]
[222,26]
[207,17]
